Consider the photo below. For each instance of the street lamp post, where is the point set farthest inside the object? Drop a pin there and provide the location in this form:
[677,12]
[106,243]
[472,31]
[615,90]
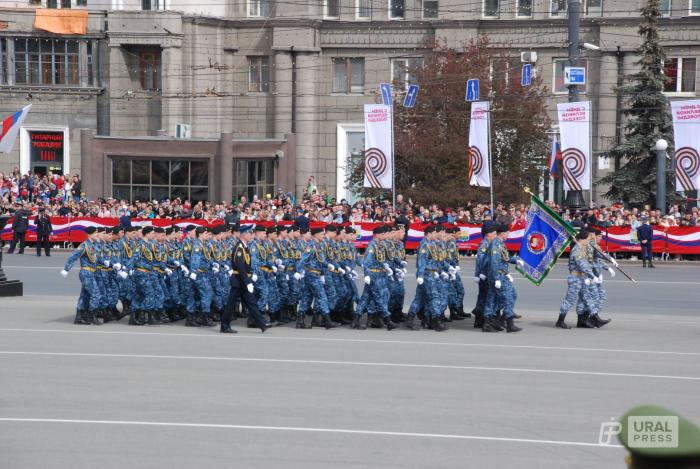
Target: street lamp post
[661,147]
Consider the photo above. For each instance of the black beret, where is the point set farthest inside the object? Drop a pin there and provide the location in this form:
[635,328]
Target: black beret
[90,230]
[281,228]
[594,230]
[260,228]
[379,229]
[271,229]
[429,229]
[190,227]
[303,230]
[117,229]
[169,231]
[200,229]
[176,229]
[291,228]
[502,228]
[583,234]
[439,228]
[349,230]
[296,228]
[317,230]
[146,230]
[488,228]
[159,230]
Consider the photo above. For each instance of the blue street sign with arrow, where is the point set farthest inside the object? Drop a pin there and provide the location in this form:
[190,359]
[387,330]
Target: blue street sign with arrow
[472,90]
[526,78]
[411,95]
[385,89]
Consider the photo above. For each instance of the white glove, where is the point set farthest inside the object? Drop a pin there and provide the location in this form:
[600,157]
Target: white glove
[612,259]
[279,262]
[303,274]
[177,263]
[297,276]
[322,278]
[183,268]
[286,277]
[482,277]
[227,268]
[254,278]
[193,276]
[404,263]
[389,272]
[510,277]
[117,266]
[230,273]
[477,280]
[341,270]
[497,284]
[612,272]
[214,270]
[274,269]
[168,271]
[451,270]
[250,288]
[367,279]
[131,272]
[419,280]
[453,277]
[444,275]
[587,281]
[436,275]
[520,262]
[64,273]
[458,269]
[215,265]
[600,279]
[331,267]
[106,263]
[123,275]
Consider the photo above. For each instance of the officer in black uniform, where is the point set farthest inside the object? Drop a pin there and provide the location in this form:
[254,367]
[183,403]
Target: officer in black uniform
[43,231]
[242,287]
[20,224]
[645,234]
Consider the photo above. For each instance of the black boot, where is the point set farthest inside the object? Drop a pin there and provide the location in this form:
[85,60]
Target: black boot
[560,322]
[206,320]
[191,321]
[582,319]
[388,323]
[488,325]
[105,314]
[357,324]
[498,323]
[511,327]
[411,323]
[438,326]
[163,316]
[93,319]
[478,319]
[151,321]
[327,323]
[454,314]
[301,324]
[644,262]
[462,314]
[651,265]
[80,317]
[598,321]
[316,320]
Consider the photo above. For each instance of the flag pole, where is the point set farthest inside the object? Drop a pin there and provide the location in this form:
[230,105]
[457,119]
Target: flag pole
[393,160]
[493,213]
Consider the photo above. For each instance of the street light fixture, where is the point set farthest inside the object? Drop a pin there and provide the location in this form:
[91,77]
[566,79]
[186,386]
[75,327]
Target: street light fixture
[660,147]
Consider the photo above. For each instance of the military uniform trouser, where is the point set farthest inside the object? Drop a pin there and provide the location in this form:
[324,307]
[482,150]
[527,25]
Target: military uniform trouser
[203,292]
[377,298]
[481,297]
[89,298]
[455,295]
[397,295]
[313,291]
[577,290]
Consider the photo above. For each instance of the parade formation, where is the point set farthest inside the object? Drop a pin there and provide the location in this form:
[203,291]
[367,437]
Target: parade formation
[275,275]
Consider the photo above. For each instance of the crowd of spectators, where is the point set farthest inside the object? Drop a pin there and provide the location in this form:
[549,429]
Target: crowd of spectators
[60,195]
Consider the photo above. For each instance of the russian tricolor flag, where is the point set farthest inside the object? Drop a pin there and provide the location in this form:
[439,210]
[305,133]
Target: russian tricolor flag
[10,128]
[555,159]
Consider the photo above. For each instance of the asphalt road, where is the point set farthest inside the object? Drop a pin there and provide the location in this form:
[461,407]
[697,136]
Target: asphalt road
[168,396]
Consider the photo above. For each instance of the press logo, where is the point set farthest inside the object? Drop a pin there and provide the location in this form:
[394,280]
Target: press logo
[645,431]
[652,431]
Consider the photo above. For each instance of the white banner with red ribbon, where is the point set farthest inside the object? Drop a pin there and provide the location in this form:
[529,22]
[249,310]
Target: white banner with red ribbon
[478,171]
[379,158]
[575,132]
[686,131]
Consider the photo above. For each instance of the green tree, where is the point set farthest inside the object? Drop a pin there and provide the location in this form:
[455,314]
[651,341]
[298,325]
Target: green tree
[431,139]
[648,119]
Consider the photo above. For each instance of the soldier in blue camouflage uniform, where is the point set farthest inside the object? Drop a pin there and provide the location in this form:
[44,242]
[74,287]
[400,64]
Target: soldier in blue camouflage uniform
[89,299]
[350,260]
[481,269]
[456,288]
[580,277]
[431,276]
[187,286]
[597,289]
[313,268]
[377,277]
[294,252]
[418,304]
[125,247]
[261,263]
[201,263]
[503,295]
[396,255]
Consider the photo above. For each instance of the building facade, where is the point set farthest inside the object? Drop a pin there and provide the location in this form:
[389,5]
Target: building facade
[292,73]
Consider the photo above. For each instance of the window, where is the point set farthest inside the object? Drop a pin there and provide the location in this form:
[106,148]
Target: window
[680,75]
[160,178]
[253,177]
[259,8]
[403,71]
[558,85]
[331,8]
[349,75]
[695,7]
[258,74]
[665,7]
[396,9]
[430,9]
[149,69]
[593,7]
[491,8]
[363,9]
[46,62]
[147,5]
[3,62]
[524,8]
[90,64]
[65,3]
[504,72]
[558,7]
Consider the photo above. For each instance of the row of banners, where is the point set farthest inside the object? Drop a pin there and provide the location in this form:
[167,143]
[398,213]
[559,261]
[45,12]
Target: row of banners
[574,147]
[673,240]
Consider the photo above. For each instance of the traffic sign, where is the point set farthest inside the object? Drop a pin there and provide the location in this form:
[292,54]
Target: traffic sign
[385,89]
[472,90]
[411,95]
[574,76]
[526,77]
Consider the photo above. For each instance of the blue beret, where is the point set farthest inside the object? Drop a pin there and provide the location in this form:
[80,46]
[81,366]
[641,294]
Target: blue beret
[246,229]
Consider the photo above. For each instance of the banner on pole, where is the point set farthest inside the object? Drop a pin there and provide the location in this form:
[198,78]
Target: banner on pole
[478,164]
[379,158]
[575,131]
[686,131]
[9,128]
